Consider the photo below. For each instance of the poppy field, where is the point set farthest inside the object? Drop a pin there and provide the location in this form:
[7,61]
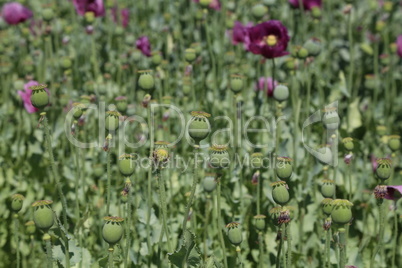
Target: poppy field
[200,133]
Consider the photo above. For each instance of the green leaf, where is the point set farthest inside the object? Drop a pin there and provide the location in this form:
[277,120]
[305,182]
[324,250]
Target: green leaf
[187,252]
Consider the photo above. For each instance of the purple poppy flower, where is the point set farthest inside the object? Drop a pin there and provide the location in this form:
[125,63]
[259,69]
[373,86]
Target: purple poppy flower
[399,45]
[269,39]
[26,96]
[394,192]
[215,4]
[15,13]
[143,44]
[307,4]
[267,84]
[240,33]
[95,6]
[124,16]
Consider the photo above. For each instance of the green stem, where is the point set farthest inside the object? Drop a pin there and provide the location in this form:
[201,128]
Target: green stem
[162,196]
[260,248]
[377,76]
[77,184]
[109,178]
[149,194]
[49,253]
[353,92]
[395,231]
[259,195]
[193,188]
[16,234]
[328,248]
[379,245]
[128,222]
[238,250]
[278,254]
[342,247]
[58,184]
[289,249]
[220,229]
[110,259]
[94,58]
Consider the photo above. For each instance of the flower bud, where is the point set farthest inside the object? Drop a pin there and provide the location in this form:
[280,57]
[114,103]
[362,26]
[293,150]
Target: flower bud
[199,126]
[160,157]
[112,120]
[284,167]
[219,156]
[394,142]
[43,214]
[112,230]
[234,233]
[190,54]
[16,203]
[316,12]
[156,58]
[326,206]
[348,143]
[258,11]
[126,165]
[121,104]
[328,188]
[209,183]
[383,170]
[381,130]
[47,14]
[124,196]
[281,93]
[302,53]
[236,83]
[259,222]
[78,110]
[280,192]
[39,96]
[341,211]
[146,80]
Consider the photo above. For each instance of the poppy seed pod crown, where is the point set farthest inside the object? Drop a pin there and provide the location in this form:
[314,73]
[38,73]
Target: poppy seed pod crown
[199,126]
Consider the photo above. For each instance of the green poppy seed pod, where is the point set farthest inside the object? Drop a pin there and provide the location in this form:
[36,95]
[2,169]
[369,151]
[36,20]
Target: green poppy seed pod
[190,54]
[121,104]
[47,14]
[146,80]
[330,118]
[186,86]
[341,211]
[136,55]
[388,6]
[236,83]
[280,192]
[383,170]
[348,143]
[326,206]
[256,160]
[289,64]
[366,48]
[284,168]
[381,130]
[205,3]
[234,233]
[259,222]
[275,213]
[379,26]
[126,165]
[16,202]
[370,81]
[89,17]
[39,96]
[156,58]
[393,47]
[78,110]
[280,215]
[199,126]
[394,142]
[302,53]
[18,84]
[118,31]
[316,12]
[313,47]
[112,230]
[281,93]
[229,57]
[328,188]
[258,11]
[197,47]
[30,227]
[43,214]
[112,120]
[209,183]
[230,22]
[66,63]
[384,59]
[219,156]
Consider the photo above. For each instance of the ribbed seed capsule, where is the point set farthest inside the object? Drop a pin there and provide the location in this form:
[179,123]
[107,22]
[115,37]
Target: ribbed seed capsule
[121,104]
[199,126]
[112,120]
[394,142]
[341,211]
[327,188]
[126,164]
[16,202]
[39,96]
[43,214]
[146,80]
[284,167]
[78,110]
[348,143]
[112,230]
[209,183]
[219,156]
[280,192]
[234,233]
[383,170]
[236,83]
[326,206]
[259,222]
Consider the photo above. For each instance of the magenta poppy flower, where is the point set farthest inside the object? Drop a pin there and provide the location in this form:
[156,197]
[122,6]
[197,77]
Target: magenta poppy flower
[215,4]
[26,96]
[240,33]
[399,45]
[269,39]
[307,4]
[394,192]
[266,84]
[143,44]
[95,6]
[124,16]
[14,13]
